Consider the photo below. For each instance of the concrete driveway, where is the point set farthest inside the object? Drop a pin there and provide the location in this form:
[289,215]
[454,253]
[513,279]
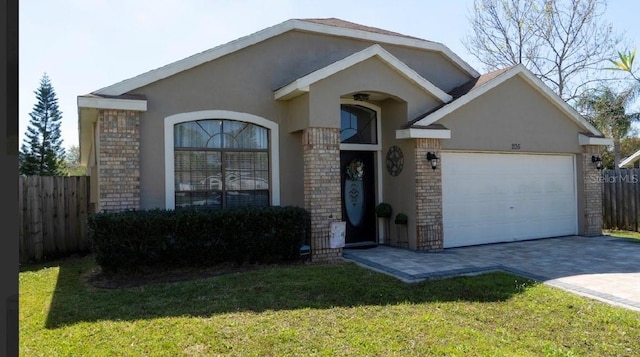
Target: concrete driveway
[603,268]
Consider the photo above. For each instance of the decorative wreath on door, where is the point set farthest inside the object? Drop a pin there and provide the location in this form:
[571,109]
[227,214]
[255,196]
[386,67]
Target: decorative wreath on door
[355,170]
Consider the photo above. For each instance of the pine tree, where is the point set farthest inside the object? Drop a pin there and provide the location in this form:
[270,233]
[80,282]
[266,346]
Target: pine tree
[42,152]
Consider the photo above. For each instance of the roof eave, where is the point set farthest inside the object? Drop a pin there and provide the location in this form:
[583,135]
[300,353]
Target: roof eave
[86,118]
[112,103]
[629,160]
[414,133]
[302,85]
[157,74]
[88,108]
[594,140]
[535,82]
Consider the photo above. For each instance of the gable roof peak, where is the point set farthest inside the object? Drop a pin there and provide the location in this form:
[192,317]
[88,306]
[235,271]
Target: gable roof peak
[476,88]
[336,22]
[330,26]
[303,84]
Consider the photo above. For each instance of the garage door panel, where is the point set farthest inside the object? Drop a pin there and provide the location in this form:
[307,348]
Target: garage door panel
[491,198]
[511,231]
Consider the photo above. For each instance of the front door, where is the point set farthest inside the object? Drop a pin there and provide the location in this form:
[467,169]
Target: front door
[358,197]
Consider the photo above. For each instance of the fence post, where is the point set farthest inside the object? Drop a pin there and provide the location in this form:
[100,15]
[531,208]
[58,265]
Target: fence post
[23,246]
[52,214]
[48,230]
[71,211]
[58,214]
[621,199]
[83,211]
[35,216]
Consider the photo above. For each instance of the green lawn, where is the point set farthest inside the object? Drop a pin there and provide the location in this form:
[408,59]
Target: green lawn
[624,234]
[336,309]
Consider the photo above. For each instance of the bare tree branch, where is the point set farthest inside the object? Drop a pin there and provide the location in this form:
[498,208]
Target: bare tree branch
[563,42]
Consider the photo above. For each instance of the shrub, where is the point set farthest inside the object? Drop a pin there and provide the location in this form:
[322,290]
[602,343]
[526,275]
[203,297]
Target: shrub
[383,210]
[401,218]
[196,237]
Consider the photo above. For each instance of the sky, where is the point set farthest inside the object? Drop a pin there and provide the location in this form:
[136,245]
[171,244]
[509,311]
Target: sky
[85,45]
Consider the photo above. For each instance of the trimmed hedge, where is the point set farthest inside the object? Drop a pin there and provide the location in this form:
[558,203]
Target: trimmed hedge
[197,237]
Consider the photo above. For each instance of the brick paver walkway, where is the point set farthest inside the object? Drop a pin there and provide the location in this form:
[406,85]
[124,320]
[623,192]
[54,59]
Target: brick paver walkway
[603,268]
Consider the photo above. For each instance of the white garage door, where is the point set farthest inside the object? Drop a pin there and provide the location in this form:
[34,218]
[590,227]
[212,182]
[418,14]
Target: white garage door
[489,198]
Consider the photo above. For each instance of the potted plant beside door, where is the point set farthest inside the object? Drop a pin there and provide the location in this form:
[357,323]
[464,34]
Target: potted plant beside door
[401,230]
[384,210]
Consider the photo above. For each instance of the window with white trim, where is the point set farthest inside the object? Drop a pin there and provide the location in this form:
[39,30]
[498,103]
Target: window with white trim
[358,125]
[221,163]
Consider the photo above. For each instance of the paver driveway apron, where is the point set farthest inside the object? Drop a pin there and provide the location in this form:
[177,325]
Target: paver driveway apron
[604,268]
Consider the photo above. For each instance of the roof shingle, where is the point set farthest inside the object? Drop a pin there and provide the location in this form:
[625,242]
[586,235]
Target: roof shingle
[353,26]
[459,91]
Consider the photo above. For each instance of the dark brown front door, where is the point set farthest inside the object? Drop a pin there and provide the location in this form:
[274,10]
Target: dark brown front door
[358,197]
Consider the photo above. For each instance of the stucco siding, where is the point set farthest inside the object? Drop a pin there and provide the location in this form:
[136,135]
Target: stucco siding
[292,169]
[371,75]
[511,117]
[298,114]
[432,66]
[398,191]
[244,81]
[511,113]
[514,117]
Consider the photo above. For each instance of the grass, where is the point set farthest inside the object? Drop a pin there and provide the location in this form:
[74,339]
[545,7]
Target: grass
[324,310]
[632,236]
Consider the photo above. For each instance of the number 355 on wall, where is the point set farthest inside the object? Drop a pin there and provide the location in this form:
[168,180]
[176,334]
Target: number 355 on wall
[515,146]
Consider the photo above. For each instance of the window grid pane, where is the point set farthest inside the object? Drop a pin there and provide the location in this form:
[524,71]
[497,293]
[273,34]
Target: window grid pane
[257,198]
[358,125]
[221,163]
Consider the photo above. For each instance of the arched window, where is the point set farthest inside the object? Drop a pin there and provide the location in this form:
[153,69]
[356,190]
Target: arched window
[220,163]
[358,125]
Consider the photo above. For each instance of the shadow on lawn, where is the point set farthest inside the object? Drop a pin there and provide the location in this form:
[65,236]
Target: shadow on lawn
[279,288]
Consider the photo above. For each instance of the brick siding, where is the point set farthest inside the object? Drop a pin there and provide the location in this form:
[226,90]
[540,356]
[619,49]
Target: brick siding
[592,193]
[119,160]
[322,187]
[428,197]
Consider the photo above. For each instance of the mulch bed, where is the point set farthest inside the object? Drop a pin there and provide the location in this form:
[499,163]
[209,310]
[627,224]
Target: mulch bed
[103,280]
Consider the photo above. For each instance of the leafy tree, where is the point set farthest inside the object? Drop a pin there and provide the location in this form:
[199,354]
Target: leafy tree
[562,42]
[42,152]
[72,162]
[628,146]
[607,111]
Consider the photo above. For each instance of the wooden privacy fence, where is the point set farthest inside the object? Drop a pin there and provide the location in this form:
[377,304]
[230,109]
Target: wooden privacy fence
[53,214]
[621,199]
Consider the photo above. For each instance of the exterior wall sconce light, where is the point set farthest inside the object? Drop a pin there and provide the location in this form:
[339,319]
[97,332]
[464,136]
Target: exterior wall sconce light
[361,97]
[598,161]
[433,159]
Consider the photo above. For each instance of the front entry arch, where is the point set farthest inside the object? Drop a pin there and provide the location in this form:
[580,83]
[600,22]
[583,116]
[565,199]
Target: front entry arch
[360,174]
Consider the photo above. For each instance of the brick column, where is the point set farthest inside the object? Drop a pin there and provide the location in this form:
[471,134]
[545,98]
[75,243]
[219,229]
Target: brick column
[592,191]
[322,187]
[119,160]
[428,197]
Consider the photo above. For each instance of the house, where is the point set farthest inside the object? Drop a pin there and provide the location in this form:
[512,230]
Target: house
[337,117]
[631,161]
